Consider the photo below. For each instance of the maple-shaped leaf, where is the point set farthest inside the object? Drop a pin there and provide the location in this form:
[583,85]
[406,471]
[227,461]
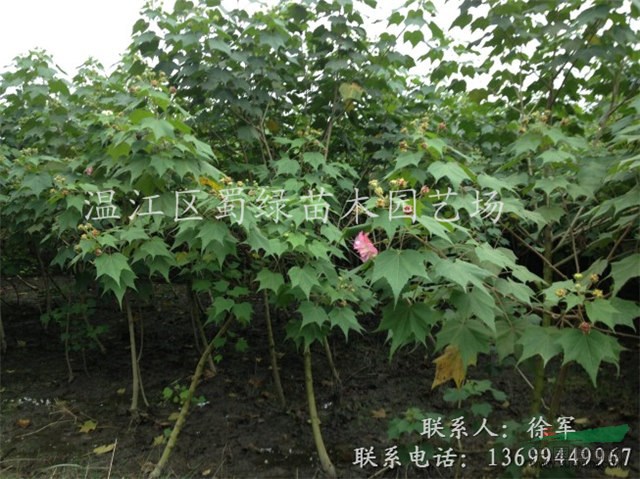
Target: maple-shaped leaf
[312,314]
[449,366]
[623,270]
[345,319]
[589,350]
[462,273]
[397,267]
[153,247]
[112,265]
[213,232]
[408,322]
[539,340]
[269,280]
[305,278]
[470,336]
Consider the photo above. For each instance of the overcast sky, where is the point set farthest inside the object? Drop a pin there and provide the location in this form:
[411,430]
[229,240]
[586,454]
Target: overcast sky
[74,30]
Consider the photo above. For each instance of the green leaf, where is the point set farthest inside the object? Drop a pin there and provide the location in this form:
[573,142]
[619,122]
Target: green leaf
[136,116]
[538,340]
[520,291]
[523,274]
[470,336]
[435,227]
[589,350]
[502,257]
[495,184]
[397,267]
[345,319]
[258,241]
[601,310]
[396,18]
[313,158]
[219,45]
[119,288]
[408,158]
[287,166]
[161,265]
[408,323]
[242,311]
[112,265]
[269,280]
[304,278]
[556,156]
[528,142]
[482,409]
[37,183]
[628,311]
[160,128]
[132,233]
[462,273]
[312,314]
[219,306]
[476,303]
[414,37]
[508,332]
[153,247]
[213,231]
[450,170]
[274,39]
[623,270]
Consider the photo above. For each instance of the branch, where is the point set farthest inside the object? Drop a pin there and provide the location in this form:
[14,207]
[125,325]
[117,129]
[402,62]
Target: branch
[539,255]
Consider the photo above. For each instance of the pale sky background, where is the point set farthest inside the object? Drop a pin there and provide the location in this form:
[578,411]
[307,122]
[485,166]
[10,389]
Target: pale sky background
[74,30]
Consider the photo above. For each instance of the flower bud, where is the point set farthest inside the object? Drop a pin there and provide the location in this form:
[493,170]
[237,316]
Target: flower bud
[561,292]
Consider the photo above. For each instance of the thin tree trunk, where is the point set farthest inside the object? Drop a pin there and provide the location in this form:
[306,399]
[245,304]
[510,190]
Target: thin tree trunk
[67,334]
[198,328]
[135,372]
[332,366]
[325,461]
[175,433]
[273,354]
[547,273]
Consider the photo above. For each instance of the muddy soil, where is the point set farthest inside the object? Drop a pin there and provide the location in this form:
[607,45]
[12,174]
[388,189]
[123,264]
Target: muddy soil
[51,427]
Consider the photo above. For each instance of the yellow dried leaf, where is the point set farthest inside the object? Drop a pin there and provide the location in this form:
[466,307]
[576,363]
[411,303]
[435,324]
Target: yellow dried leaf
[210,183]
[159,440]
[121,391]
[581,421]
[449,366]
[379,413]
[88,426]
[104,449]
[23,423]
[174,416]
[616,472]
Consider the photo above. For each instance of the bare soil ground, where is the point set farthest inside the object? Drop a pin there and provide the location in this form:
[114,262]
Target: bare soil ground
[241,432]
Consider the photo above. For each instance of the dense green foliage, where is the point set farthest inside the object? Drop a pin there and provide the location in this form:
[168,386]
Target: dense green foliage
[301,99]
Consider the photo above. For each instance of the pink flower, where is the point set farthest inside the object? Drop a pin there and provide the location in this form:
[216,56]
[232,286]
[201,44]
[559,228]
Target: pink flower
[407,209]
[88,171]
[364,247]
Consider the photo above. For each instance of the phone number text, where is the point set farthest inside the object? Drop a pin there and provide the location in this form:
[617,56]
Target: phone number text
[560,456]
